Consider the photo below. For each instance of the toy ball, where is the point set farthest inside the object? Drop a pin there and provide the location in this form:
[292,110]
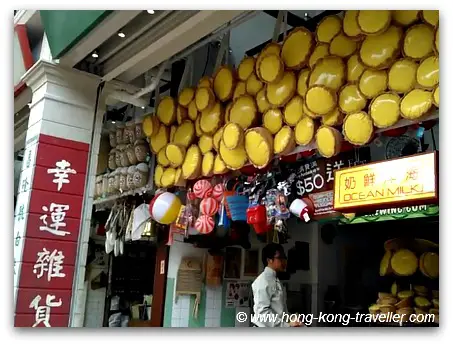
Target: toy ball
[204,224]
[164,208]
[209,206]
[191,196]
[202,189]
[217,192]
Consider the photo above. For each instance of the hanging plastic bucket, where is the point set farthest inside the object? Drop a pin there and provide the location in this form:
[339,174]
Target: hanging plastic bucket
[237,205]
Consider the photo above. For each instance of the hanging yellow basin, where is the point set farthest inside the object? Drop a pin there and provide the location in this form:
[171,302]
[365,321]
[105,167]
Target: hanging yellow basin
[297,48]
[330,72]
[207,166]
[246,68]
[259,145]
[402,76]
[350,99]
[358,128]
[405,17]
[273,120]
[328,141]
[305,131]
[278,94]
[261,101]
[354,68]
[293,111]
[418,41]
[166,110]
[328,28]
[243,111]
[372,82]
[385,110]
[271,68]
[379,51]
[373,22]
[415,104]
[350,26]
[302,82]
[428,72]
[321,50]
[320,99]
[342,46]
[334,118]
[284,141]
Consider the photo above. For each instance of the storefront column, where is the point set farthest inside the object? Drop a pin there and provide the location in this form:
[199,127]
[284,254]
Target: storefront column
[56,186]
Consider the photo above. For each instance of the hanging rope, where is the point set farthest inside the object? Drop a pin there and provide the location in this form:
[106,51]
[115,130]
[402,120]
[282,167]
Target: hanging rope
[224,46]
[186,78]
[281,19]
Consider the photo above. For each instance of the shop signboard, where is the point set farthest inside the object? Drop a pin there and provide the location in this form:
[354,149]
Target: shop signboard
[404,181]
[315,179]
[47,225]
[395,213]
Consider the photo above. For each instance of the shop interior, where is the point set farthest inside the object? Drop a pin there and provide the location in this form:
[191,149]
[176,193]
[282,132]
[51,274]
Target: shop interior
[331,266]
[359,249]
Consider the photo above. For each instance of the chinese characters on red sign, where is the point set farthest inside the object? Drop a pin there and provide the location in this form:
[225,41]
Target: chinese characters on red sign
[47,225]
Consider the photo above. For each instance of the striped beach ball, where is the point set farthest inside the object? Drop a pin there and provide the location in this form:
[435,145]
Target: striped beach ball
[209,206]
[164,208]
[204,224]
[202,189]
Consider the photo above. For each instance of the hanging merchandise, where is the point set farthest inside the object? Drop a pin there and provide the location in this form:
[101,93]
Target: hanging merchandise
[256,216]
[165,207]
[217,192]
[276,205]
[300,209]
[140,217]
[184,218]
[362,72]
[209,206]
[119,226]
[204,224]
[236,203]
[202,189]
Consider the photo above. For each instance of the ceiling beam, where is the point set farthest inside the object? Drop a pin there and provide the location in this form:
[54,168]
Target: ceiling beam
[155,51]
[134,29]
[108,27]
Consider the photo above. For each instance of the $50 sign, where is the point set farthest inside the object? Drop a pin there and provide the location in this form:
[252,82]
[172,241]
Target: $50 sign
[310,184]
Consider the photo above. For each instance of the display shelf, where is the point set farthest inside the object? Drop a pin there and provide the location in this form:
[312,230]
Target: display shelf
[113,198]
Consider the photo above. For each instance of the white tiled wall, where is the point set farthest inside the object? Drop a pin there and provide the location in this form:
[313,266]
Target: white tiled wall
[94,313]
[213,306]
[95,302]
[180,312]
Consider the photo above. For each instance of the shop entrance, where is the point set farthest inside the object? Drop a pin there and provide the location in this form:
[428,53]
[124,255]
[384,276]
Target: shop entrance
[359,250]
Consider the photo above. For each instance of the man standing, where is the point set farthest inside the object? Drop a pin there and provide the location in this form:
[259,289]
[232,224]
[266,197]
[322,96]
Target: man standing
[268,295]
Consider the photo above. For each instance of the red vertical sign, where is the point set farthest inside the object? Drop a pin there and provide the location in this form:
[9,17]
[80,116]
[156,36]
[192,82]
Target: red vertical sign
[45,249]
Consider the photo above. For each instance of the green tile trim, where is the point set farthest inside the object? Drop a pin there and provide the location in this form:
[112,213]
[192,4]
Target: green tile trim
[227,315]
[168,309]
[200,320]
